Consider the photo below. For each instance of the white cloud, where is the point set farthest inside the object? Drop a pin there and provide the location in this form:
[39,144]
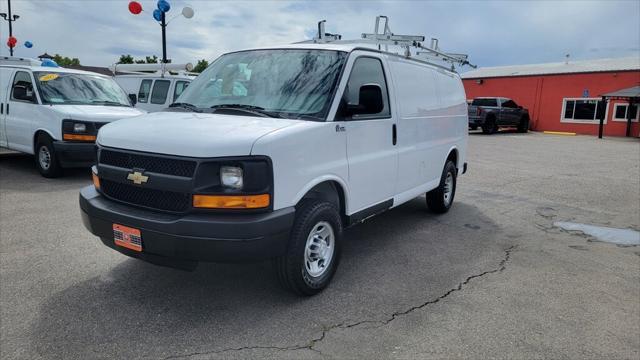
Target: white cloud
[493,33]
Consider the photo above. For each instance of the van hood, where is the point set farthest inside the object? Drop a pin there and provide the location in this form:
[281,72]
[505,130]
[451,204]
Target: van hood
[190,134]
[98,113]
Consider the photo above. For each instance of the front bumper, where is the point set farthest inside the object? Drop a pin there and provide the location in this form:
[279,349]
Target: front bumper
[75,154]
[184,240]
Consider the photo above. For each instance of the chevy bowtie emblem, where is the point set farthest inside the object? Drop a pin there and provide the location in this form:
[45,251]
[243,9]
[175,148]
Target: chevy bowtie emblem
[137,178]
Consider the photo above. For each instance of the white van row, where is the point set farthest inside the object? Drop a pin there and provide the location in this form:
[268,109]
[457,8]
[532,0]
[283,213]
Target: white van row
[55,113]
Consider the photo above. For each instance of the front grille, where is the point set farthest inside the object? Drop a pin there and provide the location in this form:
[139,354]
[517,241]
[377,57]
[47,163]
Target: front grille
[151,198]
[161,165]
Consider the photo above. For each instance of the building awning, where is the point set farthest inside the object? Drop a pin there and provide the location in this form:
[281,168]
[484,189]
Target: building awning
[632,95]
[632,92]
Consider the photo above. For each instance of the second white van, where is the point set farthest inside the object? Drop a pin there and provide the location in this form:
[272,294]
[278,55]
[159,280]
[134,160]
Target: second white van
[55,113]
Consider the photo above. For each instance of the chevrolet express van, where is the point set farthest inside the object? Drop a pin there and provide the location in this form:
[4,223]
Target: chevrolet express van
[55,113]
[273,152]
[153,92]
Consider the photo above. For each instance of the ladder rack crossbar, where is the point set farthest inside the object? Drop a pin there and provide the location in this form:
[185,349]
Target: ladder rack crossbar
[388,38]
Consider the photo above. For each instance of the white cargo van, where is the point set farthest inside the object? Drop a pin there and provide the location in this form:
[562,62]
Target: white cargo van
[153,92]
[272,152]
[55,113]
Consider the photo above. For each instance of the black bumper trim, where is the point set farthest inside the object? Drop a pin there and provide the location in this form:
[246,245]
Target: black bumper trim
[75,154]
[183,240]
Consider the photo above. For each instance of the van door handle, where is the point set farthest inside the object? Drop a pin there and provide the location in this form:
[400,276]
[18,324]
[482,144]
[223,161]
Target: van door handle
[7,108]
[394,134]
[2,108]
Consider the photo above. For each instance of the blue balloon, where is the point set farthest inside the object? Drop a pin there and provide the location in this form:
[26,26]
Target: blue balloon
[157,14]
[48,63]
[28,44]
[163,5]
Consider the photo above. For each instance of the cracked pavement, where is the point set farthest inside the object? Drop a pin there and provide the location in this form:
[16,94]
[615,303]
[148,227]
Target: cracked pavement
[491,279]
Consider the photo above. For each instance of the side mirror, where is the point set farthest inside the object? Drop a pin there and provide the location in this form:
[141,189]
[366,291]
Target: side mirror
[370,101]
[21,92]
[519,107]
[133,99]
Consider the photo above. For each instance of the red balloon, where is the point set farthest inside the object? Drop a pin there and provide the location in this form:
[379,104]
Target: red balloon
[12,41]
[135,8]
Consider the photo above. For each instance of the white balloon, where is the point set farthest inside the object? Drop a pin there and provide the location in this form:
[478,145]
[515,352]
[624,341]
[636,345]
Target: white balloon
[187,12]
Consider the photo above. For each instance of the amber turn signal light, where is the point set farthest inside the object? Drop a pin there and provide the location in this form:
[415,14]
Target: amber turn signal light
[96,180]
[76,137]
[231,201]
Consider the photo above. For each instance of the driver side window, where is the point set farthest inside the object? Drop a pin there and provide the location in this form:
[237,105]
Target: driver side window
[22,88]
[366,71]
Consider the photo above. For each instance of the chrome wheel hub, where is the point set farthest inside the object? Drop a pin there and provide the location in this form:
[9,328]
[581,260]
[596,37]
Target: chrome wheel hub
[44,157]
[448,189]
[319,249]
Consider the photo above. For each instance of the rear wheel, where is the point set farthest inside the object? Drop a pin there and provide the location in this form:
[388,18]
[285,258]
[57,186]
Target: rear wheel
[490,126]
[440,199]
[46,158]
[523,126]
[314,249]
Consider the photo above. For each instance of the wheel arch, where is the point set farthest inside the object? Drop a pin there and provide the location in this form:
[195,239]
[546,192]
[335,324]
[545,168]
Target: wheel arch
[331,189]
[37,134]
[453,155]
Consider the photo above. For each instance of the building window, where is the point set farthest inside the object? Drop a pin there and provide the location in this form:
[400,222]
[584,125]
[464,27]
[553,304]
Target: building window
[620,112]
[583,110]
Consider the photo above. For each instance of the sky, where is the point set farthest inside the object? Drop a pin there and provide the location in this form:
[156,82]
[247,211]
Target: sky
[493,33]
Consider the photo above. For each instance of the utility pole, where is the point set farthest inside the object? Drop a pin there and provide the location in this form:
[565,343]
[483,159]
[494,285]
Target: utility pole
[10,19]
[163,24]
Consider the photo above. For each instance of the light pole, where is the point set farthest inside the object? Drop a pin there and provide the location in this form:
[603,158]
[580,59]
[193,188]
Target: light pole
[10,18]
[160,15]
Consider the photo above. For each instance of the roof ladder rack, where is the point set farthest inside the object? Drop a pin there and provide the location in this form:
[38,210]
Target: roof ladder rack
[383,35]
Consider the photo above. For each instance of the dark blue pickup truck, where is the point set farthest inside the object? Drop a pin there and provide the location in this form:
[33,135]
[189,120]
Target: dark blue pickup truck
[491,113]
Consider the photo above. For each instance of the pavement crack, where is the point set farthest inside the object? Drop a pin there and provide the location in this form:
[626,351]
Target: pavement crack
[310,345]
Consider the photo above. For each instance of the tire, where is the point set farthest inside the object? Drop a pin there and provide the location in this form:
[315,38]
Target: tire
[440,199]
[297,270]
[523,126]
[46,158]
[490,126]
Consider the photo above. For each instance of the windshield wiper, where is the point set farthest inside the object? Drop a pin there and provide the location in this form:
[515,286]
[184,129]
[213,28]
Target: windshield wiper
[257,110]
[108,102]
[187,106]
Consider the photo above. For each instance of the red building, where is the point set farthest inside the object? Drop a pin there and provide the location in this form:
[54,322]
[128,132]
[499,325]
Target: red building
[564,96]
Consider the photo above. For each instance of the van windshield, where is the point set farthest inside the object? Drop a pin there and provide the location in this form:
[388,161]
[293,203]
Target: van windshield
[58,88]
[296,84]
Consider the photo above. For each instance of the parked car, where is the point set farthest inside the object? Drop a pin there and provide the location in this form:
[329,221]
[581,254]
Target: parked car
[491,113]
[55,113]
[272,153]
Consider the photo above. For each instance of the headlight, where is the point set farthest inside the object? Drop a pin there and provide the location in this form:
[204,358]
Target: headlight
[231,176]
[79,128]
[73,130]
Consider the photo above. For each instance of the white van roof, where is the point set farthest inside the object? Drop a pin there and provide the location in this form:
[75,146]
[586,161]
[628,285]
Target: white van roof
[51,69]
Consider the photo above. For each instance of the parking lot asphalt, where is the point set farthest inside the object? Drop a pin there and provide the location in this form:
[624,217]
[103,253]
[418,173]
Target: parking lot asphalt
[493,278]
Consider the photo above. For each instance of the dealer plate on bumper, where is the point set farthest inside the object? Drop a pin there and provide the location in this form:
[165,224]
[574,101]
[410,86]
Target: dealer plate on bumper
[127,237]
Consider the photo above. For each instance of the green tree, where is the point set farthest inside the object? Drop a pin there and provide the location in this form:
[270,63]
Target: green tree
[125,59]
[65,61]
[200,66]
[151,59]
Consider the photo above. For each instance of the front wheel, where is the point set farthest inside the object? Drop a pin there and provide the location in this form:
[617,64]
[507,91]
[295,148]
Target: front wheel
[46,158]
[440,199]
[313,252]
[523,126]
